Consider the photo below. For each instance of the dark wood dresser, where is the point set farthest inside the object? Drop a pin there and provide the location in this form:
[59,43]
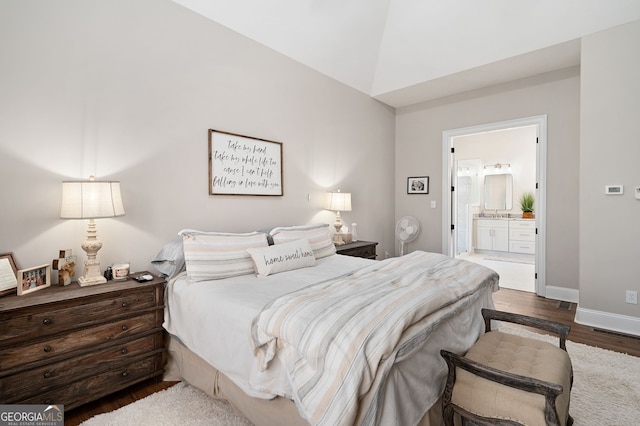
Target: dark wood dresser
[366,249]
[71,345]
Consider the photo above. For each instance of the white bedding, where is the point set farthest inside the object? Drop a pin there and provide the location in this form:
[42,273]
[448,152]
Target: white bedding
[339,340]
[213,318]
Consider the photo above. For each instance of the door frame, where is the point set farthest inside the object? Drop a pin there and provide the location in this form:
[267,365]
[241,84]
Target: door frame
[448,183]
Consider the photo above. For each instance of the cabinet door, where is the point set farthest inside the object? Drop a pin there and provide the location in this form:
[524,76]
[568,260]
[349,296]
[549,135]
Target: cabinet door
[484,239]
[501,239]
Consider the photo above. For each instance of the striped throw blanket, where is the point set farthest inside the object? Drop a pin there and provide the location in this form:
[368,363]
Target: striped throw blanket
[335,338]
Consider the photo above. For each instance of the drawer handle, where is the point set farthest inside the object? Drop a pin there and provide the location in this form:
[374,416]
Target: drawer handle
[125,304]
[125,373]
[47,348]
[46,321]
[125,328]
[124,351]
[47,374]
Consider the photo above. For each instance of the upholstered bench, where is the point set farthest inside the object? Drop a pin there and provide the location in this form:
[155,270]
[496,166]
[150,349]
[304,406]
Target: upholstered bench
[508,379]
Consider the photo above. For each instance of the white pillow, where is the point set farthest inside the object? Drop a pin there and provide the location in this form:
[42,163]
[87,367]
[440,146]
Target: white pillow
[217,255]
[318,235]
[283,257]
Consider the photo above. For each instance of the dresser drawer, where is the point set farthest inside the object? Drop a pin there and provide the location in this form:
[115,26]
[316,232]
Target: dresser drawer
[522,224]
[522,247]
[81,391]
[522,234]
[25,326]
[87,338]
[17,387]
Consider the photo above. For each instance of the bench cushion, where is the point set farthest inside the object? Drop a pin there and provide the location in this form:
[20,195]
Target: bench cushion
[517,355]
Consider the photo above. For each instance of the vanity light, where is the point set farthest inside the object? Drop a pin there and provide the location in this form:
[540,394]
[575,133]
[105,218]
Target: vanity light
[497,168]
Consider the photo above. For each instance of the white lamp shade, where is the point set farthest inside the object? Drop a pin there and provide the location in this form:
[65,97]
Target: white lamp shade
[338,201]
[91,200]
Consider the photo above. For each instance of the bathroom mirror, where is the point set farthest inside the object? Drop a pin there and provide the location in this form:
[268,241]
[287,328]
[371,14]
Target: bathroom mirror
[498,192]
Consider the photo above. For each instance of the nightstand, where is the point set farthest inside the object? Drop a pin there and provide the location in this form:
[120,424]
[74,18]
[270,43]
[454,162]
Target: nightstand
[71,345]
[366,249]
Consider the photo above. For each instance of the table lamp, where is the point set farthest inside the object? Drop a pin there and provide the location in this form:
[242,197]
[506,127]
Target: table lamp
[91,200]
[338,201]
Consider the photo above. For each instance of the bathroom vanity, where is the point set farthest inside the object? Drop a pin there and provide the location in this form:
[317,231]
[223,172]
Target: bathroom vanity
[513,235]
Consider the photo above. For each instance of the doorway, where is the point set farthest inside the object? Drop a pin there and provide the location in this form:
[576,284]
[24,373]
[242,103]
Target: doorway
[471,154]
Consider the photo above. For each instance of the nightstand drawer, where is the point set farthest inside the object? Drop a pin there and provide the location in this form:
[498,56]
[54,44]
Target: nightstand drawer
[80,391]
[37,380]
[27,326]
[87,338]
[366,249]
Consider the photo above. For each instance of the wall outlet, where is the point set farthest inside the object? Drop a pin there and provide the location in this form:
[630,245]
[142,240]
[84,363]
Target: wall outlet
[632,297]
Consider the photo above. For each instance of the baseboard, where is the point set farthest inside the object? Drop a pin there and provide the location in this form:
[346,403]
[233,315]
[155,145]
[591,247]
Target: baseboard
[561,293]
[608,321]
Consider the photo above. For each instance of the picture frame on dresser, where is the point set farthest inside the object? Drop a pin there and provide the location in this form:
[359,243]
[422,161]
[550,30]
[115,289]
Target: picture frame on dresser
[8,274]
[34,279]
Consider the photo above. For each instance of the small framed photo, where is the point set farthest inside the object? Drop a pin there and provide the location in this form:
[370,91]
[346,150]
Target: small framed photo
[418,185]
[8,272]
[34,279]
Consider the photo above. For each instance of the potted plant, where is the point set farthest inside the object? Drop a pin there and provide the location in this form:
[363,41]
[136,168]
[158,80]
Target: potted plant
[527,201]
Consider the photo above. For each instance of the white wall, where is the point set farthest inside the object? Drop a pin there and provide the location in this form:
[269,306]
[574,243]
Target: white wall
[516,147]
[127,91]
[609,153]
[419,152]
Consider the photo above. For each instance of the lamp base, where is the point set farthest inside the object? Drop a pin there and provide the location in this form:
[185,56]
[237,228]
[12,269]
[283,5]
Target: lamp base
[87,281]
[92,274]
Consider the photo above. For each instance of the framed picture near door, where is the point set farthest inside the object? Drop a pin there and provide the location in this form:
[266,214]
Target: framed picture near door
[418,185]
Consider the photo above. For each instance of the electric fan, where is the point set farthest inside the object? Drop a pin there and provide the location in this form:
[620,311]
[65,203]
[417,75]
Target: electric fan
[407,230]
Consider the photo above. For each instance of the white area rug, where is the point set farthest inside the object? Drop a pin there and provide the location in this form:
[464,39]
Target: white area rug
[606,392]
[181,404]
[606,384]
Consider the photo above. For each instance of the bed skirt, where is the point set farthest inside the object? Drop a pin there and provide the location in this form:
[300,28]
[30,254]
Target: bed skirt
[184,365]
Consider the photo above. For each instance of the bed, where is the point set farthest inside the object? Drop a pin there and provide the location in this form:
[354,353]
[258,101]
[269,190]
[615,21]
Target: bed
[289,332]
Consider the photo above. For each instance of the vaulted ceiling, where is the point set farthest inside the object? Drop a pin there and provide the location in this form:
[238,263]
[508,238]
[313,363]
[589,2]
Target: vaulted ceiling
[407,51]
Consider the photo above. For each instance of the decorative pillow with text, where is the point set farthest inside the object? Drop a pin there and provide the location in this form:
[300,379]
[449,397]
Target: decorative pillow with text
[282,257]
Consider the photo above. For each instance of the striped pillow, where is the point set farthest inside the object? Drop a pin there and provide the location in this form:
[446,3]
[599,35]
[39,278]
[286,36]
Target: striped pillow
[217,255]
[318,235]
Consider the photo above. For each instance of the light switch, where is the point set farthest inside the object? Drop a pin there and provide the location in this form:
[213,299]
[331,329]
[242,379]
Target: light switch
[433,204]
[614,190]
[637,192]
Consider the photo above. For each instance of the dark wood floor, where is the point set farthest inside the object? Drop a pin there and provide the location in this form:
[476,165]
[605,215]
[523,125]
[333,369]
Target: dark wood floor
[505,300]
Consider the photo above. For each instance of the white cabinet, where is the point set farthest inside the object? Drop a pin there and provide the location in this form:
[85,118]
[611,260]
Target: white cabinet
[509,235]
[492,234]
[522,236]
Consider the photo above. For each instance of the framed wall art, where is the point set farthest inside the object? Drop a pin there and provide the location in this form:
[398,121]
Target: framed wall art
[8,272]
[243,165]
[418,185]
[34,279]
